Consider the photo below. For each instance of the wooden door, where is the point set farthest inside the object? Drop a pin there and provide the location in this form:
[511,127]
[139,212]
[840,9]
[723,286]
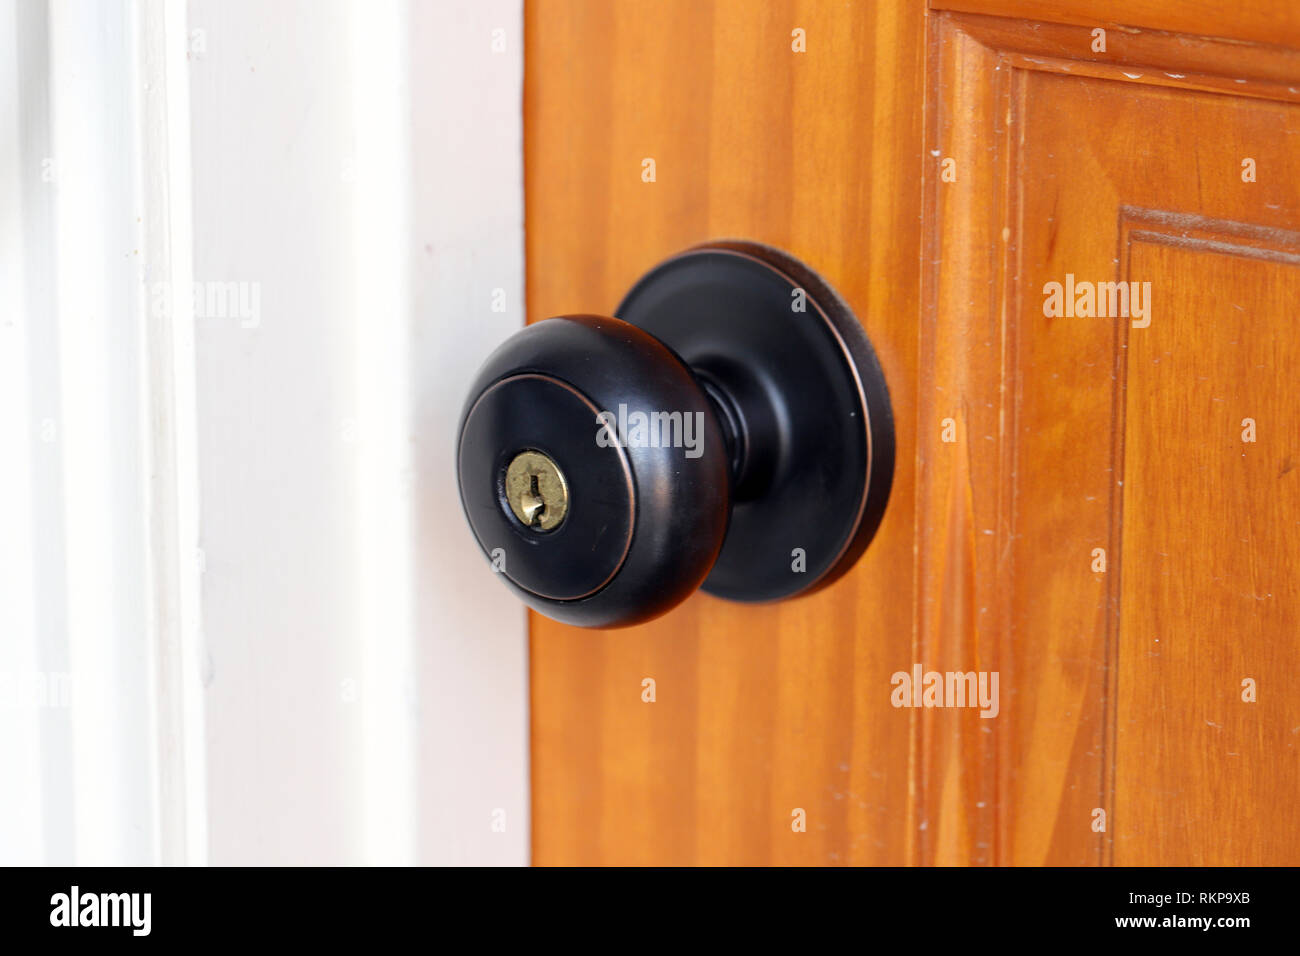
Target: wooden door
[1103,509]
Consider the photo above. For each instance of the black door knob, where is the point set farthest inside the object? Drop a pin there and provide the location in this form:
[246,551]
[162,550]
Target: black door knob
[731,430]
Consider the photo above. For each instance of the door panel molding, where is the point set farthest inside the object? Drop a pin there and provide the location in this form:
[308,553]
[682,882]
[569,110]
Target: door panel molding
[1254,21]
[993,526]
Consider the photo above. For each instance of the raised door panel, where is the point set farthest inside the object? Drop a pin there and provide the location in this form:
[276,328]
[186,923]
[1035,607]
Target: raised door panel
[1102,533]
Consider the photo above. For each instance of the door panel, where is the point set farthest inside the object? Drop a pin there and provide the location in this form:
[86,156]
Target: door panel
[1122,735]
[1123,681]
[1209,594]
[759,710]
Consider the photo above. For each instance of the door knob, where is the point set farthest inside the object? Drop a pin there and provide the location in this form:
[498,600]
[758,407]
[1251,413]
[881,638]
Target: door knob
[730,430]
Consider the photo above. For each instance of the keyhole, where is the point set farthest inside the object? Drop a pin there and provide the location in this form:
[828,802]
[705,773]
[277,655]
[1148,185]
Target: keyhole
[536,491]
[539,509]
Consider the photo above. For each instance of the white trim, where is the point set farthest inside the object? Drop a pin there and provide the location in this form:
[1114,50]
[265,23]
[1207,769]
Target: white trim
[21,675]
[96,252]
[468,239]
[321,153]
[99,492]
[381,229]
[171,428]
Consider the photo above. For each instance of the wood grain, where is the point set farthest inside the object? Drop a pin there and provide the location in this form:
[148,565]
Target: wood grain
[759,710]
[1121,688]
[1210,594]
[1258,21]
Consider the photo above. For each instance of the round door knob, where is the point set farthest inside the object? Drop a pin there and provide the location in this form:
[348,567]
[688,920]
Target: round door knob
[731,430]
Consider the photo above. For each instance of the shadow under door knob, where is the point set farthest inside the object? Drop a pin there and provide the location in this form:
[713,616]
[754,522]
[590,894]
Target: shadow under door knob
[730,430]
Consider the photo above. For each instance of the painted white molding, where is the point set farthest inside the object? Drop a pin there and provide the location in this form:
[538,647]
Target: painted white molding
[468,248]
[22,679]
[98,503]
[171,426]
[250,256]
[359,168]
[380,104]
